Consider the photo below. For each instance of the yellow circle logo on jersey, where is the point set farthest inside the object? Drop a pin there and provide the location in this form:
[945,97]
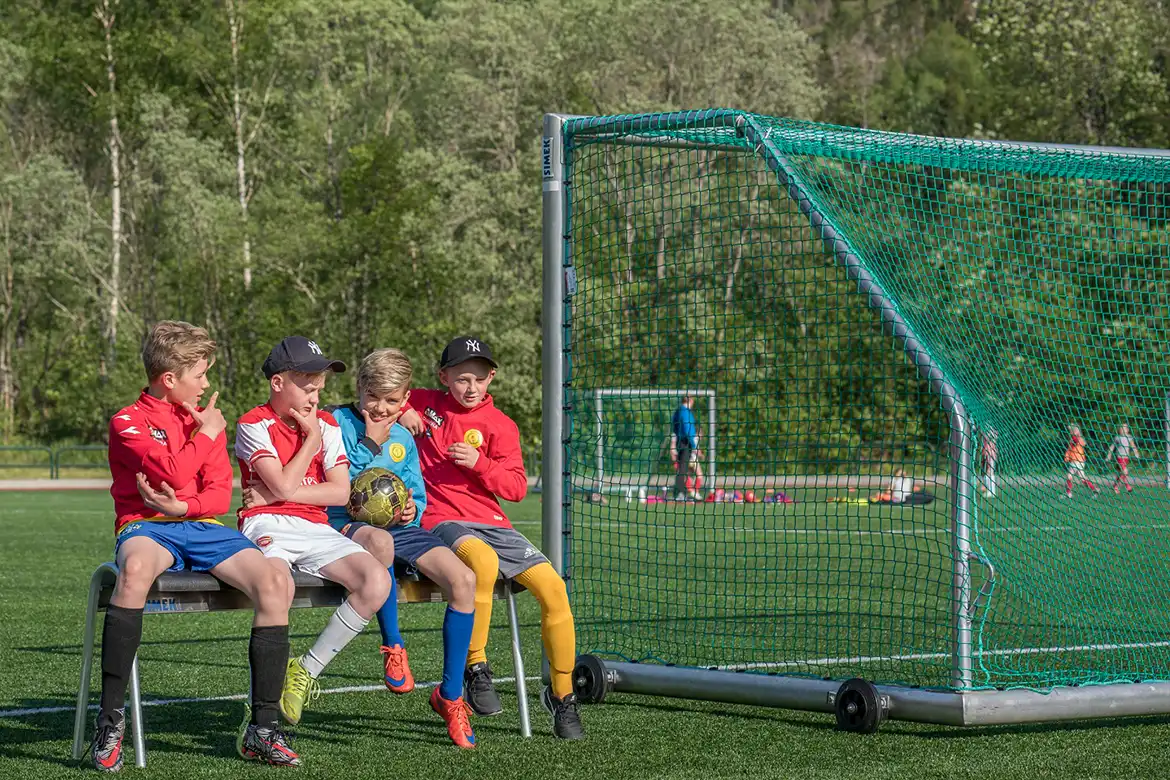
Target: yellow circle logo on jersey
[397,452]
[473,437]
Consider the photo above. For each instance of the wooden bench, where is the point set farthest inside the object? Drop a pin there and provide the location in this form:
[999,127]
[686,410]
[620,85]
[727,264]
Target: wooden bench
[175,593]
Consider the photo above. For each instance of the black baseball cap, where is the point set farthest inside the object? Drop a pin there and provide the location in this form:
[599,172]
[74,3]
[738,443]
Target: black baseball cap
[297,353]
[466,348]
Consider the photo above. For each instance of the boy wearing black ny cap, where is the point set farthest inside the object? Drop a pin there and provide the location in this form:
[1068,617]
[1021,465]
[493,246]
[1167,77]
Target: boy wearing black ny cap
[293,465]
[470,456]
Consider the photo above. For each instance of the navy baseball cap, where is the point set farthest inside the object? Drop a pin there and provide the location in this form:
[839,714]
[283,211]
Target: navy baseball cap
[297,353]
[466,348]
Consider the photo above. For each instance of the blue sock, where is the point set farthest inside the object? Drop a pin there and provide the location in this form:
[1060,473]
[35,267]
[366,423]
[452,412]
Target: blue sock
[388,616]
[456,638]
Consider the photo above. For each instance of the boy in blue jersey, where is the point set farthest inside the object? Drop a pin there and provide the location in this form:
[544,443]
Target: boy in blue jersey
[684,450]
[374,439]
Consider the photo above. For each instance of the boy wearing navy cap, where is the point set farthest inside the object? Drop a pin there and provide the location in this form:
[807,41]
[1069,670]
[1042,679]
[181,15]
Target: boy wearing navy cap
[292,466]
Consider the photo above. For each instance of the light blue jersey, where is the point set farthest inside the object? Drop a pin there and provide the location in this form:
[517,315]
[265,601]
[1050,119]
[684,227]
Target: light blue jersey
[682,425]
[398,454]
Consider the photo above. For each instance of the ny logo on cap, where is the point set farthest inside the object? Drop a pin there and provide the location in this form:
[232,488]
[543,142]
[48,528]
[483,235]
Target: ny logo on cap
[313,346]
[472,345]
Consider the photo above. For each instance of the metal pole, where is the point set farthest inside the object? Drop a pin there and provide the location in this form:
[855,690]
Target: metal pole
[598,410]
[962,475]
[1166,427]
[96,583]
[553,410]
[894,324]
[970,708]
[711,441]
[136,716]
[518,662]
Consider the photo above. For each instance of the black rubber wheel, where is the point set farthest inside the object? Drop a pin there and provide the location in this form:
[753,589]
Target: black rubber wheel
[858,707]
[590,681]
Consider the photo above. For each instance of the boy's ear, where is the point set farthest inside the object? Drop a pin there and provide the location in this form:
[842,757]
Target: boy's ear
[443,377]
[169,379]
[406,396]
[276,383]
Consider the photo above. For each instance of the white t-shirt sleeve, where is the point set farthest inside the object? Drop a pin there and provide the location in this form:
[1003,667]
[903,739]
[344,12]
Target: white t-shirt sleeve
[253,442]
[332,445]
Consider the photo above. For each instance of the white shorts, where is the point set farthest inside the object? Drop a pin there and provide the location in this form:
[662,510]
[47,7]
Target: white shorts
[306,546]
[1076,470]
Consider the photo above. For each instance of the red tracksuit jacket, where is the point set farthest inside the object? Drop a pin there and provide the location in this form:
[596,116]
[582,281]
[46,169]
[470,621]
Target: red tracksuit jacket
[158,438]
[458,493]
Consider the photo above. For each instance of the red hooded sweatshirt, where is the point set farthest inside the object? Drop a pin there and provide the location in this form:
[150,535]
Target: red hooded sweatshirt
[159,439]
[470,494]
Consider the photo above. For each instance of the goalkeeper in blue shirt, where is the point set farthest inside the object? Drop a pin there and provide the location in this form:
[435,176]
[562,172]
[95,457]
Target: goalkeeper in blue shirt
[374,439]
[684,450]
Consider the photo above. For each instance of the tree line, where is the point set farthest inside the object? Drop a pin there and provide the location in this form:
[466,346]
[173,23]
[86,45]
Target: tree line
[366,172]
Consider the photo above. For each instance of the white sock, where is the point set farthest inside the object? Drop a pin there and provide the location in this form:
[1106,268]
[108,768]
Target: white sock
[342,627]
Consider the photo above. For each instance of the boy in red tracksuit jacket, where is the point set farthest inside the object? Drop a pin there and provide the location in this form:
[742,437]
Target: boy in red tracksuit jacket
[470,456]
[172,476]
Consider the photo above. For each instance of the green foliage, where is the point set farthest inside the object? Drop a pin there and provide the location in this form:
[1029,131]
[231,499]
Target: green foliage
[388,159]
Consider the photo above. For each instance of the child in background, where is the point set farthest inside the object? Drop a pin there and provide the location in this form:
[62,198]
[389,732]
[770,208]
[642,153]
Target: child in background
[1123,445]
[1074,456]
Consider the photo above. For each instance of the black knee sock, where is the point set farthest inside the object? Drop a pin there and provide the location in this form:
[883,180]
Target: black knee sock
[120,639]
[268,657]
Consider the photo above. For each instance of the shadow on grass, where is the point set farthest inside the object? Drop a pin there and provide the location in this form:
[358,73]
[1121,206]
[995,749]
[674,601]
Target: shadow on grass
[209,729]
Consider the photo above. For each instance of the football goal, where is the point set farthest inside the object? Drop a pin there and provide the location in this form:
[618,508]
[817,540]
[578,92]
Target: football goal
[940,362]
[632,438]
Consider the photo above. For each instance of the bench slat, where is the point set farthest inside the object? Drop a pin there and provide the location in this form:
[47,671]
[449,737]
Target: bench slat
[180,592]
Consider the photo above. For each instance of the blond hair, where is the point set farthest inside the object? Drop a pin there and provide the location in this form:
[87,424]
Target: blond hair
[175,346]
[383,371]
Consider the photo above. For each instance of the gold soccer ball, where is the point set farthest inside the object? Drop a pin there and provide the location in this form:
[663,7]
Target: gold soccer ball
[377,496]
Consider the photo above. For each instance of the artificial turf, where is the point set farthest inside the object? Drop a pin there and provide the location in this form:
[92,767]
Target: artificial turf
[52,541]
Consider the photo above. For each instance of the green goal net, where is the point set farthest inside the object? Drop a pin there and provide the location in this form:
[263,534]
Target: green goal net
[924,352]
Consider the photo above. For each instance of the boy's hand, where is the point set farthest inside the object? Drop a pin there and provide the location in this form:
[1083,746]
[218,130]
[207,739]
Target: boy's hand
[411,421]
[163,501]
[210,419]
[257,494]
[673,455]
[378,431]
[310,427]
[410,510]
[463,454]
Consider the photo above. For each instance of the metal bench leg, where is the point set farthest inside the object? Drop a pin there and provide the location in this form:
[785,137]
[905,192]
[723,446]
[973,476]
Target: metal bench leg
[80,714]
[518,663]
[137,730]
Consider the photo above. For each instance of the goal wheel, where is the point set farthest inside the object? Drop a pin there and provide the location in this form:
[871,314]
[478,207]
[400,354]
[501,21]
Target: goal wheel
[859,707]
[590,679]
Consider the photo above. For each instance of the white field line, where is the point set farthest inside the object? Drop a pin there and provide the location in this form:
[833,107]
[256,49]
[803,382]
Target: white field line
[231,697]
[857,659]
[867,659]
[989,530]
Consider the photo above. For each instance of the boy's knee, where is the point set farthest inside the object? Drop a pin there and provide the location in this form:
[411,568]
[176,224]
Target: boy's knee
[557,593]
[463,584]
[480,558]
[135,573]
[381,546]
[274,589]
[376,584]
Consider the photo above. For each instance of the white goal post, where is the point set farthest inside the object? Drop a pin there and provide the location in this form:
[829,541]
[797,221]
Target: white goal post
[599,396]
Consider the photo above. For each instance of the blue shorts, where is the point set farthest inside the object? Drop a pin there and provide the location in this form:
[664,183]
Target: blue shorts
[195,545]
[410,542]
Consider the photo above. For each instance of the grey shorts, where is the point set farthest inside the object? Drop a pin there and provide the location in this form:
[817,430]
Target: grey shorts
[517,554]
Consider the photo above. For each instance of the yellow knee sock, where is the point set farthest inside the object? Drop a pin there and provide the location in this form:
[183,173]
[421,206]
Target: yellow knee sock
[556,624]
[478,556]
